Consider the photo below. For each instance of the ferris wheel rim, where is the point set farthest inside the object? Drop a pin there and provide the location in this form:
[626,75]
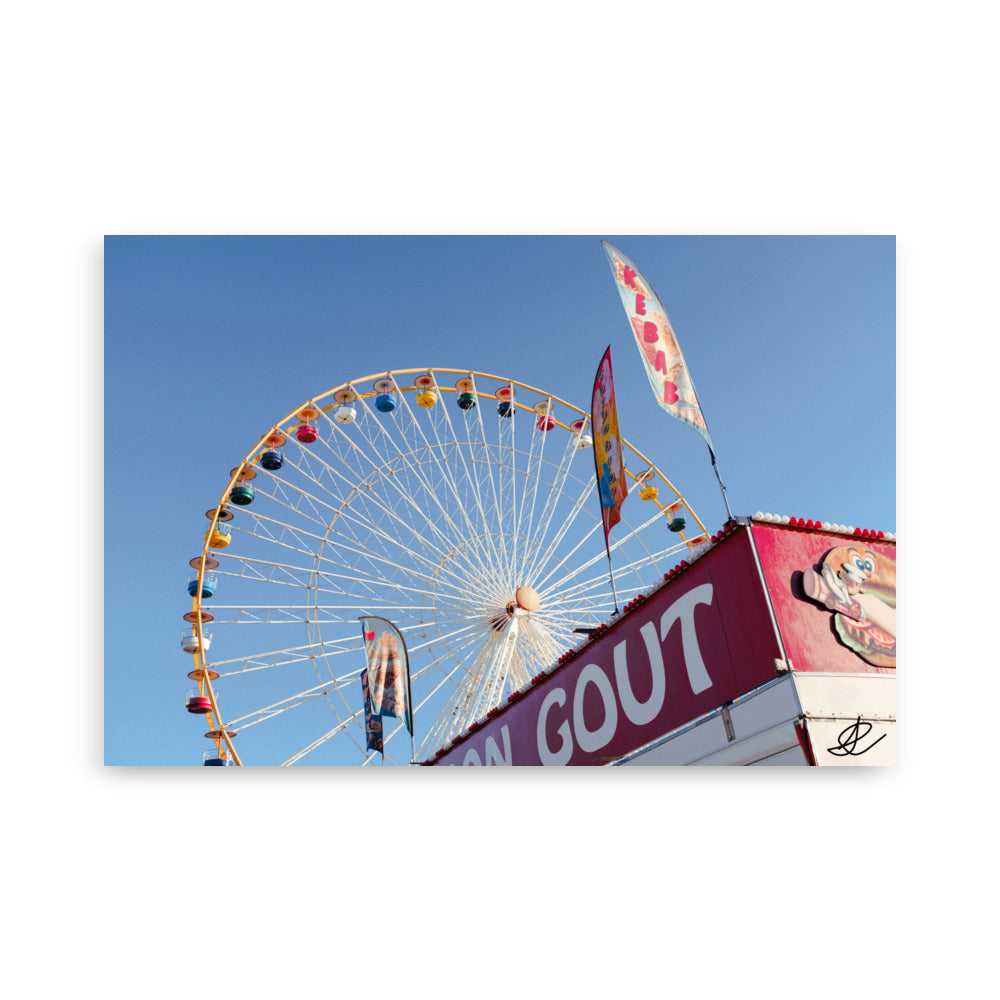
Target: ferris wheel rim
[354,391]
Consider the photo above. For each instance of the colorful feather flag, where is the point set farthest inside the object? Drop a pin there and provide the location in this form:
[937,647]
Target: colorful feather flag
[654,336]
[610,468]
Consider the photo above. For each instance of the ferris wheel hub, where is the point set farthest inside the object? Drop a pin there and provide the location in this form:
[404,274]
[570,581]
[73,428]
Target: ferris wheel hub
[527,598]
[525,602]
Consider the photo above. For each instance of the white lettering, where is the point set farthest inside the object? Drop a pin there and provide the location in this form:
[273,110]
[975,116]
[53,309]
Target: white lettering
[590,741]
[492,751]
[557,696]
[683,609]
[639,713]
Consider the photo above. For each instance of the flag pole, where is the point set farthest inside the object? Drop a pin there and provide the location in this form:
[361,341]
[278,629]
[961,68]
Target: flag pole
[715,466]
[611,573]
[409,700]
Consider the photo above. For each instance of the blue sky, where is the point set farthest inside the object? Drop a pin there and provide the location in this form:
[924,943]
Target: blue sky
[210,340]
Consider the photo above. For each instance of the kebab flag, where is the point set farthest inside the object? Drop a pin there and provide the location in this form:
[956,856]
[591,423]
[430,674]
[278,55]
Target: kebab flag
[611,485]
[388,671]
[661,354]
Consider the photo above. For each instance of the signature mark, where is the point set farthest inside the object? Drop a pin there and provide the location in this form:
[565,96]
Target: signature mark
[849,738]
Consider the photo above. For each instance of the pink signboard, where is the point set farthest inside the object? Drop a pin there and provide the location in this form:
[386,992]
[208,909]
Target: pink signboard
[699,641]
[834,597]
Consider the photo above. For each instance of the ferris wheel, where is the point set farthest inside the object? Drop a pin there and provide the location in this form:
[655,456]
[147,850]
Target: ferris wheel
[458,505]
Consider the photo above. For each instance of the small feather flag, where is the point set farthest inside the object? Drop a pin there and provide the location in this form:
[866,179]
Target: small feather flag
[611,485]
[388,670]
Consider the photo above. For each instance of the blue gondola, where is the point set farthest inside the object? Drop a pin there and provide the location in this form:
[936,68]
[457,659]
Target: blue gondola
[208,585]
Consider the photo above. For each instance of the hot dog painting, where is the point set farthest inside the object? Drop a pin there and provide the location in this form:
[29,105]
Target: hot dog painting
[859,586]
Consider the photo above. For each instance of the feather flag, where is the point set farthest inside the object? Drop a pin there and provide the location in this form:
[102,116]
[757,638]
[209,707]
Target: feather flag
[654,336]
[388,670]
[611,484]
